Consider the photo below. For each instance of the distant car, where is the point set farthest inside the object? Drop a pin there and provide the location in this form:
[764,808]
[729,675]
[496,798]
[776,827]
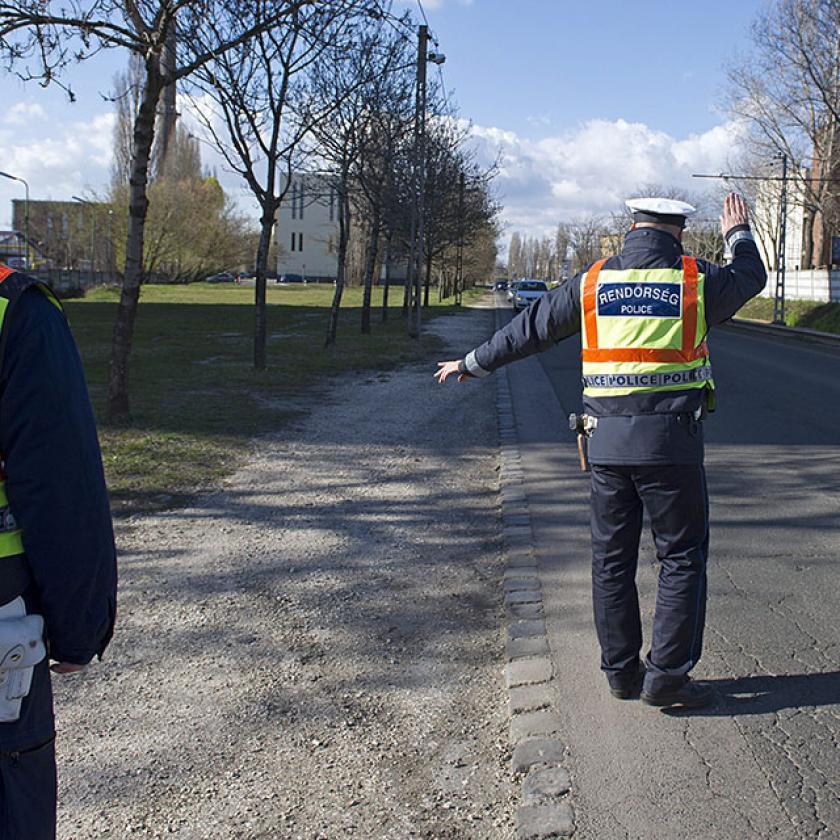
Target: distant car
[222,277]
[501,286]
[527,291]
[511,290]
[292,278]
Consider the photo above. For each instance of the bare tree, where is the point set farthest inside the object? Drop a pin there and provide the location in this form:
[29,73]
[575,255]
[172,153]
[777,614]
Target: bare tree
[515,263]
[382,148]
[448,156]
[250,87]
[585,240]
[787,92]
[55,36]
[342,91]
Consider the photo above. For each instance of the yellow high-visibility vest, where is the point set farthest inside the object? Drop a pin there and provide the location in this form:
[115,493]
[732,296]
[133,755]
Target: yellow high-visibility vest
[644,330]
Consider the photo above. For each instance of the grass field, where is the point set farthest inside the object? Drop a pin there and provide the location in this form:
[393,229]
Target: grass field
[812,314]
[196,401]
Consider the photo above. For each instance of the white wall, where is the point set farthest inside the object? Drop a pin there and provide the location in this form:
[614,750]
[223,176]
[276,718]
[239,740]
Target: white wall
[815,284]
[307,229]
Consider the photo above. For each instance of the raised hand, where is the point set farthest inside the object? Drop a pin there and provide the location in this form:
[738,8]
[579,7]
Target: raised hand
[734,213]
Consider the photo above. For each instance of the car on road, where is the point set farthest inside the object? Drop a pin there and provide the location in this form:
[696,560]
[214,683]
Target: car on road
[501,286]
[527,291]
[292,278]
[511,289]
[222,277]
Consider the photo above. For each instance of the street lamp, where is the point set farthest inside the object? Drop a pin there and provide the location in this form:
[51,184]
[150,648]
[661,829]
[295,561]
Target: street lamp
[92,230]
[25,216]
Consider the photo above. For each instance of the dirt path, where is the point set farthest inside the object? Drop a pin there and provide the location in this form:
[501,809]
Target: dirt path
[315,651]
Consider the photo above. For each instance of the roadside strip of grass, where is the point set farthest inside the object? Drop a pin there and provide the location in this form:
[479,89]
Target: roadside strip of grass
[197,404]
[811,314]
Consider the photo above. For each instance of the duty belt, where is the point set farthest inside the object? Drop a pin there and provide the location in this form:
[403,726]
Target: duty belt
[648,380]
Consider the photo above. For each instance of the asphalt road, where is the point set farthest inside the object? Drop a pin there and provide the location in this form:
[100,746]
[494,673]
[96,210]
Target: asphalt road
[764,761]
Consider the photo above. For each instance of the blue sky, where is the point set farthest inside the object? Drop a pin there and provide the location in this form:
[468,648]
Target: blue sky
[581,102]
[539,66]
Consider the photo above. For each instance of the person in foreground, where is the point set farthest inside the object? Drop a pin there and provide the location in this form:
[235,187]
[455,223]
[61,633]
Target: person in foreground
[643,316]
[57,559]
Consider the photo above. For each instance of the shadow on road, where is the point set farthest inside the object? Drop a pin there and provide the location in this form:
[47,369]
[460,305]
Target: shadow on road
[757,695]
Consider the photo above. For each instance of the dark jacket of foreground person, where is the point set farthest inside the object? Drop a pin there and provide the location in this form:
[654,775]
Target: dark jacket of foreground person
[57,496]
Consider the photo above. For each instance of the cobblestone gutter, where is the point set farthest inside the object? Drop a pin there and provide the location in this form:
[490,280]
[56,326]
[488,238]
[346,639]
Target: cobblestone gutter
[538,753]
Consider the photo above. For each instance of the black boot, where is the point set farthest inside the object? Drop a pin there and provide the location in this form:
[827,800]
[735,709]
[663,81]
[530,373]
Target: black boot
[626,686]
[690,694]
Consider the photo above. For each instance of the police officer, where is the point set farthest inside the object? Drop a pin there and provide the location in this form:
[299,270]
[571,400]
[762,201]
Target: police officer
[647,386]
[57,557]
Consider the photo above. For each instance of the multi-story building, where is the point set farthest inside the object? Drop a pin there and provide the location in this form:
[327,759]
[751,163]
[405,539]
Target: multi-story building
[307,235]
[307,229]
[68,234]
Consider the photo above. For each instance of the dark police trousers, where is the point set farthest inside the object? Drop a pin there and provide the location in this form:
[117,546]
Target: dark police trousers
[27,766]
[28,793]
[675,498]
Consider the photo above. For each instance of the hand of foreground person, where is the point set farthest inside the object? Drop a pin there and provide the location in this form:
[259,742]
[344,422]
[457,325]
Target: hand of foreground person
[447,369]
[67,668]
[734,213]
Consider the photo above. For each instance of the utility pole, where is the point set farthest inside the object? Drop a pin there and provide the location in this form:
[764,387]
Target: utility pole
[459,259]
[418,188]
[418,203]
[779,299]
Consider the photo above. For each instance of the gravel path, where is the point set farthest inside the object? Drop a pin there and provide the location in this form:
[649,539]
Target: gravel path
[315,650]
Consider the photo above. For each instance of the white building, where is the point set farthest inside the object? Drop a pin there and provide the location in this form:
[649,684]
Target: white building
[821,284]
[307,229]
[767,205]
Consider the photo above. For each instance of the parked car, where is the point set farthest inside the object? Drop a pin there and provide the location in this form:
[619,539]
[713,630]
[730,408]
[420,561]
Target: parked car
[222,277]
[501,285]
[527,291]
[292,278]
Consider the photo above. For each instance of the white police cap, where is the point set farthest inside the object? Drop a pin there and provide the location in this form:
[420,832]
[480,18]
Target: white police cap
[665,211]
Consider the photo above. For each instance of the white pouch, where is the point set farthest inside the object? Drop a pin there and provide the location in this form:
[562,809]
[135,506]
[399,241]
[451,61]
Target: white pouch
[21,649]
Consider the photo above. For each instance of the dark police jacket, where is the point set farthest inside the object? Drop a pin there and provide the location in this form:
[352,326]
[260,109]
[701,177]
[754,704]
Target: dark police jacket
[654,428]
[56,490]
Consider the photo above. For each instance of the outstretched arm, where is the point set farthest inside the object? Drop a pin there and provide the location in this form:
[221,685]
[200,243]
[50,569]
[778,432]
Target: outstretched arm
[550,319]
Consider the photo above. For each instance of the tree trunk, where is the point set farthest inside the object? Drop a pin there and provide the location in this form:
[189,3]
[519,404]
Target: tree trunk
[266,227]
[343,228]
[388,264]
[808,240]
[428,278]
[118,408]
[408,286]
[370,267]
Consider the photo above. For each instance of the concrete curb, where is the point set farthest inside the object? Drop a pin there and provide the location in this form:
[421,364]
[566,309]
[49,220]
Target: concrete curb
[779,331]
[538,753]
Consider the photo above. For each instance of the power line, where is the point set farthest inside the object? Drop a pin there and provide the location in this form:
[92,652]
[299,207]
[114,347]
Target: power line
[732,177]
[422,12]
[443,87]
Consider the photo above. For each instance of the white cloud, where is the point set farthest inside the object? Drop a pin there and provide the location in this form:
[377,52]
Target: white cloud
[593,167]
[24,113]
[57,159]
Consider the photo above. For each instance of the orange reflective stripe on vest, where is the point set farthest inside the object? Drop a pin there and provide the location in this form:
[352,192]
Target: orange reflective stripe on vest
[689,353]
[590,307]
[5,272]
